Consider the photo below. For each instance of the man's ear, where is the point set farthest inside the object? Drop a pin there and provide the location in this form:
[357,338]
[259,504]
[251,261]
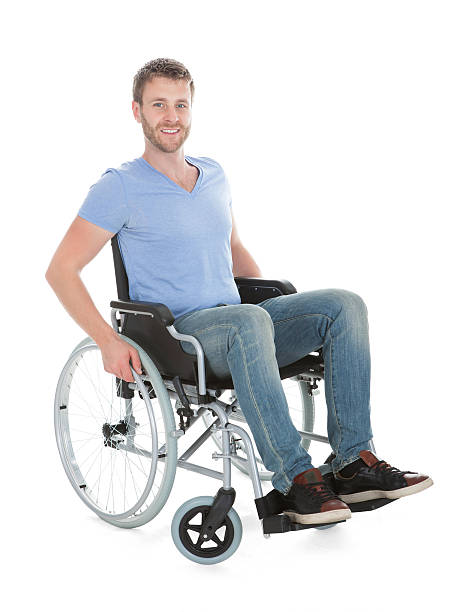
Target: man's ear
[136,111]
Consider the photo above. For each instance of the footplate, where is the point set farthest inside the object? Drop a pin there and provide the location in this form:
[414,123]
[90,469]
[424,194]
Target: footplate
[270,508]
[371,504]
[280,523]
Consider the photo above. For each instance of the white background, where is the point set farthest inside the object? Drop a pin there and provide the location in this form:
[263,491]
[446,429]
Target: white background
[331,120]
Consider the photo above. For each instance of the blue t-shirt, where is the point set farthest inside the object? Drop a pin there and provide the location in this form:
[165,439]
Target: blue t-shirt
[175,245]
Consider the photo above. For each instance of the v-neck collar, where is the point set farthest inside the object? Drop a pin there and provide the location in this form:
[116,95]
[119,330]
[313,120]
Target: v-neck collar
[185,191]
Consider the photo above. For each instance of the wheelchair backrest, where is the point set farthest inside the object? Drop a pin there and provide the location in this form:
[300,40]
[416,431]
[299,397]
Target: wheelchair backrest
[123,290]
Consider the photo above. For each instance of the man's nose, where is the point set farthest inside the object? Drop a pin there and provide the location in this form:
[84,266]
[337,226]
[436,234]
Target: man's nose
[171,114]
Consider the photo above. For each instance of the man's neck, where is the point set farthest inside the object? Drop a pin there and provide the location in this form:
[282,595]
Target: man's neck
[170,164]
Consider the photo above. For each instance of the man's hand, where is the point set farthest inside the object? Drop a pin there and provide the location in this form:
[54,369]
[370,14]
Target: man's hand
[117,354]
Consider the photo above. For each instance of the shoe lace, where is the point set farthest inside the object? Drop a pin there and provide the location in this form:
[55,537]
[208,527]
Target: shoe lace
[386,468]
[319,490]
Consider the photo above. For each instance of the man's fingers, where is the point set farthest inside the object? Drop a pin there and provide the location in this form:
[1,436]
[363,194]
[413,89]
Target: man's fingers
[135,361]
[127,375]
[118,356]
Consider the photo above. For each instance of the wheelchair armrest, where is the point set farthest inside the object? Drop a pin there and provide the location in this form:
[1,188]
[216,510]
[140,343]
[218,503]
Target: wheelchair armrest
[161,311]
[254,290]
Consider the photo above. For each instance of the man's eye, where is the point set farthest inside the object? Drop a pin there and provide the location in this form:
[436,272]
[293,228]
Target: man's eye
[160,104]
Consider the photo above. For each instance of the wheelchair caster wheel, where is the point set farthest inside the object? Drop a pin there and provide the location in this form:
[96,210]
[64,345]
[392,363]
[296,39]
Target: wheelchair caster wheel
[186,526]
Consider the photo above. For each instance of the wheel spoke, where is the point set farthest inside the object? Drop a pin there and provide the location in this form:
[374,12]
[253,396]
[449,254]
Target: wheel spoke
[215,539]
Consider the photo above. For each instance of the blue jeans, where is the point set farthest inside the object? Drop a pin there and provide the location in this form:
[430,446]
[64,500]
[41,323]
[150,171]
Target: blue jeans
[250,342]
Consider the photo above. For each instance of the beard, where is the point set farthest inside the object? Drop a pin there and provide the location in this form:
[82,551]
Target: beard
[153,135]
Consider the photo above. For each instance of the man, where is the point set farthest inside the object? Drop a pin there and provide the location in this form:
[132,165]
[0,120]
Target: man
[180,246]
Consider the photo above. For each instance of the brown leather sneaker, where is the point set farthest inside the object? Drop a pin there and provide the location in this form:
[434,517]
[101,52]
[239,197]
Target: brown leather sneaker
[311,501]
[374,478]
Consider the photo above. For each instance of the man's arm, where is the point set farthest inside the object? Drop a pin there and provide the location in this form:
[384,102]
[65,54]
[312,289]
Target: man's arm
[243,262]
[80,245]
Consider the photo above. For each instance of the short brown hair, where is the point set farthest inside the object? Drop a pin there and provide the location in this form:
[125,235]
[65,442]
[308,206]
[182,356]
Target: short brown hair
[162,67]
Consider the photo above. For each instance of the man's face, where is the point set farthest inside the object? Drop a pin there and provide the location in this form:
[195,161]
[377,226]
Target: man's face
[166,105]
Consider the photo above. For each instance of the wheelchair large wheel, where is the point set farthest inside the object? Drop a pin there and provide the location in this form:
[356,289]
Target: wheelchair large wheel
[302,413]
[116,445]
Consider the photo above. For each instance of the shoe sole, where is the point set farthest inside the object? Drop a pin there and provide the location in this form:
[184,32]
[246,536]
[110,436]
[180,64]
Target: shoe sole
[332,516]
[354,498]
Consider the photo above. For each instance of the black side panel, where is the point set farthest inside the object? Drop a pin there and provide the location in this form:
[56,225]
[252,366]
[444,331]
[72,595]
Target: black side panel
[166,352]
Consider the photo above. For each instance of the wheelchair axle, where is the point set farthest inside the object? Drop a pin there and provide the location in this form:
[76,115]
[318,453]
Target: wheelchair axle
[114,434]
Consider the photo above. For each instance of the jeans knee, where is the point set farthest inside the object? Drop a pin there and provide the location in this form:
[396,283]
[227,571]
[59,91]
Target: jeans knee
[254,320]
[349,302]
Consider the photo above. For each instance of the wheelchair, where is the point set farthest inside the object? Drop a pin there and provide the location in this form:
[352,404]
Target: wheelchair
[118,441]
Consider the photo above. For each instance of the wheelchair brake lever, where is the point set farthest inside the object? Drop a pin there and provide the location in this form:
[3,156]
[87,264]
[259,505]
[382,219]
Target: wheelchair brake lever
[185,410]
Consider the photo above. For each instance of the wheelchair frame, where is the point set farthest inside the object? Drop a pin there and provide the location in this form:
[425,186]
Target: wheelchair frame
[187,379]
